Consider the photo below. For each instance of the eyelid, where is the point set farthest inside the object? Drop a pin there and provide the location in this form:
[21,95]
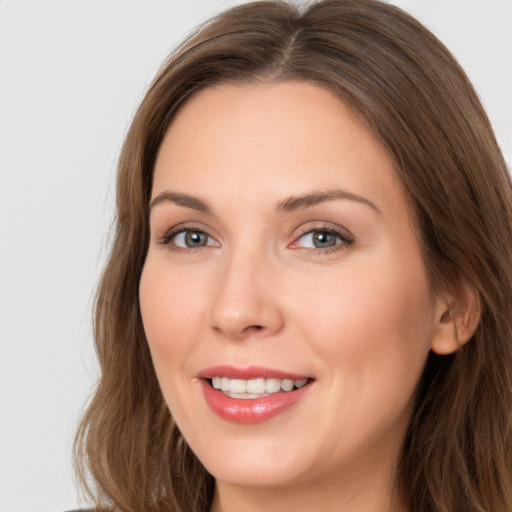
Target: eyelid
[174,231]
[179,239]
[346,237]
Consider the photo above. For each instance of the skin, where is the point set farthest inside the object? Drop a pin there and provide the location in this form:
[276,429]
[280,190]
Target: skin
[358,317]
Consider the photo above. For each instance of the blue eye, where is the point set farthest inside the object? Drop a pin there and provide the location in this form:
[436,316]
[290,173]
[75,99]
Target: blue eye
[183,239]
[191,239]
[319,239]
[323,239]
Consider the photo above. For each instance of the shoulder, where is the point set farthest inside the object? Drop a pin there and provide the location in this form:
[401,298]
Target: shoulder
[94,509]
[85,510]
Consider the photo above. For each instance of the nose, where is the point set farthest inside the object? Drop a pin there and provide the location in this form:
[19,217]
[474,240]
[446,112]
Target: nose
[245,303]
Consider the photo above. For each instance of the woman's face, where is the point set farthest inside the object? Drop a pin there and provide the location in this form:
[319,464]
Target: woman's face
[283,255]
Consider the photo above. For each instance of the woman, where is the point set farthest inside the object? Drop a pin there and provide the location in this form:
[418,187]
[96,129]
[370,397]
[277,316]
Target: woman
[307,304]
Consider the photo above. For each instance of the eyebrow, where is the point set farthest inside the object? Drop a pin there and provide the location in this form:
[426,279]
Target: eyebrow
[308,200]
[285,206]
[181,200]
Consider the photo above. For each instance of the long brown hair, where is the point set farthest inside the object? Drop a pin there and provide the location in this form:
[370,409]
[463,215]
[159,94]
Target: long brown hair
[416,99]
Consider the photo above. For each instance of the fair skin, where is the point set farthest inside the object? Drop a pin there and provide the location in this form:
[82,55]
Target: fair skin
[331,287]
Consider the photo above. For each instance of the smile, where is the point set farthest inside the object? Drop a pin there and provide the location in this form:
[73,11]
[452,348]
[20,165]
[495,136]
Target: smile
[252,395]
[255,388]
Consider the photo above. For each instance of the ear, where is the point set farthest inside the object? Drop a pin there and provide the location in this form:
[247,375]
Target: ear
[457,315]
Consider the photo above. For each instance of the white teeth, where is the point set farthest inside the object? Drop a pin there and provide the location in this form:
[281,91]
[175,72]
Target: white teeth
[272,385]
[254,388]
[287,384]
[300,383]
[244,395]
[238,386]
[224,384]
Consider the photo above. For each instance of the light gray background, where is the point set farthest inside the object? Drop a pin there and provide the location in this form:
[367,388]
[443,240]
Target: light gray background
[71,75]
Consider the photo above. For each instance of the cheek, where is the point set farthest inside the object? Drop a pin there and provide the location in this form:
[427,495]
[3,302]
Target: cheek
[375,321]
[171,308]
[374,332]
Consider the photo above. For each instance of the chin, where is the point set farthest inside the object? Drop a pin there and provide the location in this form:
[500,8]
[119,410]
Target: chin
[253,464]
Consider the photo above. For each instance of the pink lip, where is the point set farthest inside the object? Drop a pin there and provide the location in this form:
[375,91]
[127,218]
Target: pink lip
[246,373]
[250,410]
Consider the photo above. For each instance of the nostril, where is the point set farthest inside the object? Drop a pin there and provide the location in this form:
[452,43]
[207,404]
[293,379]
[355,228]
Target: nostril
[253,328]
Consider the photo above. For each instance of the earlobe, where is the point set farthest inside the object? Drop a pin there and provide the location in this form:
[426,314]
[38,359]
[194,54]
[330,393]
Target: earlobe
[457,318]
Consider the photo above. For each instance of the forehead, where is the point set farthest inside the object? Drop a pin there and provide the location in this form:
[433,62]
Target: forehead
[271,140]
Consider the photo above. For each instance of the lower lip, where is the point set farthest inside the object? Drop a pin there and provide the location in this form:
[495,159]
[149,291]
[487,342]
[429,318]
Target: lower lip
[251,410]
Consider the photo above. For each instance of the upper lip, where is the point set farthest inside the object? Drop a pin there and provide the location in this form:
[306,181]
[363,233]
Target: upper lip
[248,372]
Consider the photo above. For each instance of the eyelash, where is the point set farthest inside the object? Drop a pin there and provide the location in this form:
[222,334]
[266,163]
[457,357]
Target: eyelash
[173,233]
[346,239]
